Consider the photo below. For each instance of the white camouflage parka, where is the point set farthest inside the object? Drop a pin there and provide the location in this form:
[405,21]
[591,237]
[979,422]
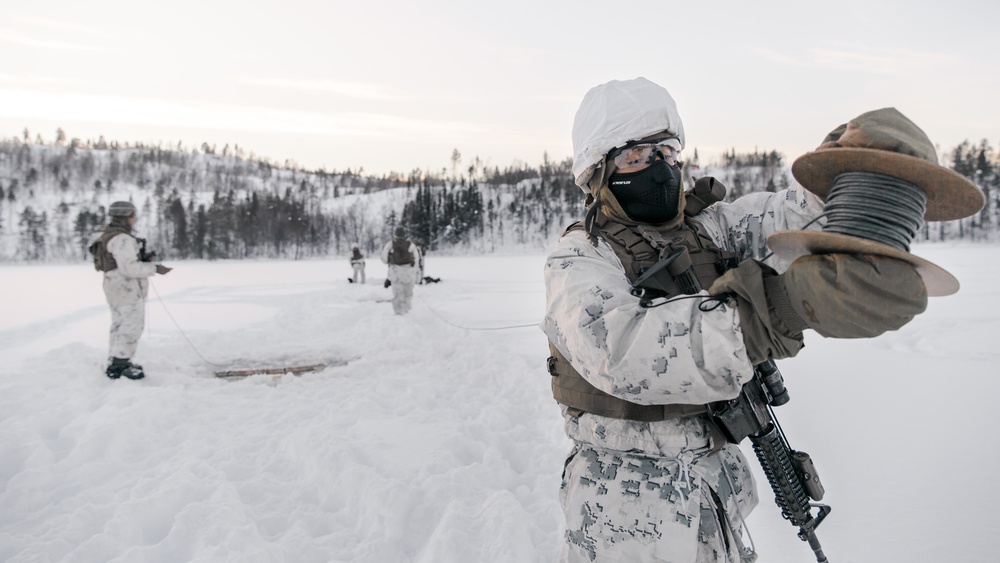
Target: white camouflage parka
[125,289]
[126,283]
[403,277]
[636,491]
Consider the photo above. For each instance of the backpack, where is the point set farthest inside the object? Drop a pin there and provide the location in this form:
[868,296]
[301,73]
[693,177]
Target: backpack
[103,260]
[400,254]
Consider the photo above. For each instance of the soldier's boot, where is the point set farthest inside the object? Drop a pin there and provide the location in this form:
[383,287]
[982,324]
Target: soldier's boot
[133,371]
[118,367]
[115,367]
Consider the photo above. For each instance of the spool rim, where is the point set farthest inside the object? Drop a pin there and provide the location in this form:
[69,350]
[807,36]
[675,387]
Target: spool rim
[790,245]
[950,195]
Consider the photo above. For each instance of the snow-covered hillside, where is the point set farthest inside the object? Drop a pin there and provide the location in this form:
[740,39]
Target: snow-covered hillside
[222,206]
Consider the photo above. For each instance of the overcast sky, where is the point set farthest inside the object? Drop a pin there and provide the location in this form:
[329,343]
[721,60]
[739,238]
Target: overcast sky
[394,85]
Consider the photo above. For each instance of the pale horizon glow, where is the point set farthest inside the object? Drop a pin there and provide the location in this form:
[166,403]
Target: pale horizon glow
[137,111]
[320,82]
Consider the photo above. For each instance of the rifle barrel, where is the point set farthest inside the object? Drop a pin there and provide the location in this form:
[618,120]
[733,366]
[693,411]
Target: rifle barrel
[817,549]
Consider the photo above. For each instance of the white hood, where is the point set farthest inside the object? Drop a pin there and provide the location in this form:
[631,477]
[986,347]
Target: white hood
[615,113]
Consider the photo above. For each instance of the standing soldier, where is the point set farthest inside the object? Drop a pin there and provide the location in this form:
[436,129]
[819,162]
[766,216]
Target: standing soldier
[651,476]
[402,256]
[126,265]
[358,265]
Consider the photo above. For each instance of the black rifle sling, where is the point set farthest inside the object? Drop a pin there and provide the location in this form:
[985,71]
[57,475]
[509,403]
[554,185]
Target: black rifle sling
[638,248]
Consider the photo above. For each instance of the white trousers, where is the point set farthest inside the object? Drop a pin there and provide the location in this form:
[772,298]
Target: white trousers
[127,322]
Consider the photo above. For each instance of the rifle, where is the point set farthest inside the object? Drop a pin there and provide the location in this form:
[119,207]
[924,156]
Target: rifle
[143,255]
[791,473]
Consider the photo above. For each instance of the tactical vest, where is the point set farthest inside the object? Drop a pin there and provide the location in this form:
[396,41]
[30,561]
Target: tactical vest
[400,253]
[638,248]
[103,260]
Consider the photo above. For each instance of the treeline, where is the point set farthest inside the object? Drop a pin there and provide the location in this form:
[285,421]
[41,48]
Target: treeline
[209,203]
[223,204]
[733,159]
[525,212]
[743,173]
[979,163]
[249,227]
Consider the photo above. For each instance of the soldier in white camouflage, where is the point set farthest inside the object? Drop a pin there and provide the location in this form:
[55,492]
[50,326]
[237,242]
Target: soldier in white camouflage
[403,258]
[650,478]
[357,266]
[118,253]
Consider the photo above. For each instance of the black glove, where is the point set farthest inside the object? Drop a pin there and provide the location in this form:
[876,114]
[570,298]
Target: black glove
[161,269]
[387,283]
[837,295]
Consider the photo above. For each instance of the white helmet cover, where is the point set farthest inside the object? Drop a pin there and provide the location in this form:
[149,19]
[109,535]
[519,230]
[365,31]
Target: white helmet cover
[615,113]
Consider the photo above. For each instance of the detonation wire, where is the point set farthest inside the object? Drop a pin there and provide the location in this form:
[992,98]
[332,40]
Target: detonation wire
[804,227]
[856,206]
[186,339]
[446,321]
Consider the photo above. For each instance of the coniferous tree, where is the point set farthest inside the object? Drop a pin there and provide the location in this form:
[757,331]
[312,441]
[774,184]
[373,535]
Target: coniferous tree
[85,227]
[34,227]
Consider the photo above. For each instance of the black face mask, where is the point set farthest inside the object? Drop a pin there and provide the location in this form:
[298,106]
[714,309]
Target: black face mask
[650,195]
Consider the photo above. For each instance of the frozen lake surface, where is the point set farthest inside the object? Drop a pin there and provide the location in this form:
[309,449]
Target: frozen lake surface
[428,439]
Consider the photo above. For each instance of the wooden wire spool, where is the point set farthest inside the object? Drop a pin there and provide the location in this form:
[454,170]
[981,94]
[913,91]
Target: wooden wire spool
[880,179]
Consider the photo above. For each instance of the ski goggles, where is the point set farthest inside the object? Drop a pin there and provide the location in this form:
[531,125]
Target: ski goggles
[645,153]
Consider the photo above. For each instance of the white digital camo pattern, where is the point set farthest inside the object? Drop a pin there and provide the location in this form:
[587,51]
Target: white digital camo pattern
[403,278]
[631,507]
[125,289]
[635,491]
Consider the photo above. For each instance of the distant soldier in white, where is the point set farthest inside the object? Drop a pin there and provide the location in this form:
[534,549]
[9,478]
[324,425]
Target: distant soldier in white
[402,256]
[651,476]
[126,265]
[358,265]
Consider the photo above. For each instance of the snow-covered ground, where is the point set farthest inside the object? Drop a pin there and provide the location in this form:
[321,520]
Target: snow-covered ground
[435,441]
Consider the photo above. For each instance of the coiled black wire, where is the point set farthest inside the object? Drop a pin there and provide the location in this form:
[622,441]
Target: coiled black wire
[875,207]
